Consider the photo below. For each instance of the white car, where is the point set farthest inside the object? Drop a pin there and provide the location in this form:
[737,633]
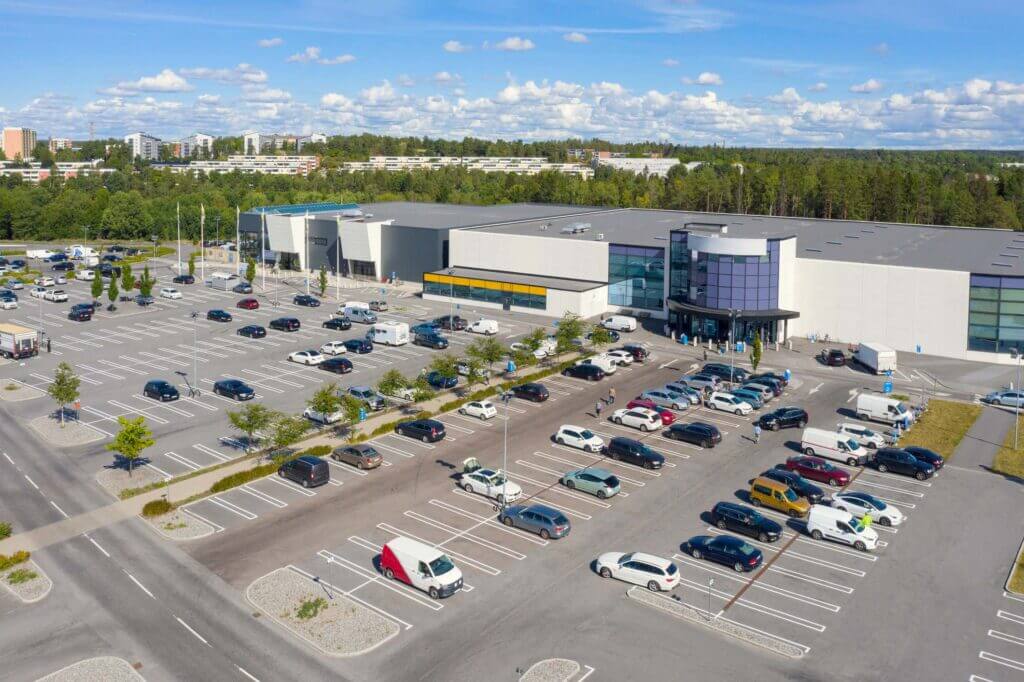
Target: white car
[492,484]
[637,417]
[404,393]
[44,281]
[306,357]
[55,295]
[485,327]
[653,572]
[607,365]
[482,409]
[863,435]
[86,275]
[8,304]
[60,279]
[333,348]
[321,418]
[621,357]
[15,284]
[859,504]
[579,437]
[36,292]
[170,292]
[727,402]
[540,353]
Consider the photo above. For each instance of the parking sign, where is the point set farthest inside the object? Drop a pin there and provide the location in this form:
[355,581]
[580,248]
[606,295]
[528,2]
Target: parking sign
[887,387]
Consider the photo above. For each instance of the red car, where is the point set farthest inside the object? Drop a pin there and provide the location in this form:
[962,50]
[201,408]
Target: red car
[817,469]
[667,416]
[249,304]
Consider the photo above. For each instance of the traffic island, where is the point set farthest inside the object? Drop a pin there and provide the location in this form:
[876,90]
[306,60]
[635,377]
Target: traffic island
[180,526]
[106,668]
[71,434]
[718,623]
[324,618]
[116,479]
[26,581]
[551,670]
[14,392]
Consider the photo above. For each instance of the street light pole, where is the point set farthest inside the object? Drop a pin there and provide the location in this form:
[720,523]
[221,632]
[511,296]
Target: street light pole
[732,343]
[178,212]
[195,350]
[505,398]
[711,582]
[451,300]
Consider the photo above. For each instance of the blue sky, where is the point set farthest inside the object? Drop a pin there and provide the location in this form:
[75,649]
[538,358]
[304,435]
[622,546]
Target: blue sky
[911,73]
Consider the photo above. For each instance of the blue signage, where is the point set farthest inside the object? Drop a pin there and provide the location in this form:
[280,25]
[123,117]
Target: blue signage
[787,375]
[888,372]
[511,367]
[887,387]
[684,339]
[362,414]
[918,348]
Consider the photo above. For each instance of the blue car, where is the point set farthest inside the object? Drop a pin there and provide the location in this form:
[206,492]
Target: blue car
[425,328]
[436,380]
[546,521]
[358,346]
[725,549]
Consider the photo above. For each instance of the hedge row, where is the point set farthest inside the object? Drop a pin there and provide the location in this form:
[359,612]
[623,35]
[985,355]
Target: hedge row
[19,557]
[249,475]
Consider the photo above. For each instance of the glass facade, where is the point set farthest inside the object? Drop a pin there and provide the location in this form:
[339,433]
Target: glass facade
[679,266]
[996,314]
[636,276]
[489,291]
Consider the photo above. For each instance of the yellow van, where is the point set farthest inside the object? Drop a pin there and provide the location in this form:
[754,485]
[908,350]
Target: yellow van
[778,496]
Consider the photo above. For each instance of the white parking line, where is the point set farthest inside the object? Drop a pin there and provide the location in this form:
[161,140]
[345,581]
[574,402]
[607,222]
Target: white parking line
[459,511]
[291,486]
[473,563]
[130,370]
[577,465]
[161,359]
[1001,660]
[144,411]
[1012,617]
[388,448]
[490,503]
[465,535]
[233,508]
[803,557]
[757,607]
[260,495]
[1012,639]
[165,405]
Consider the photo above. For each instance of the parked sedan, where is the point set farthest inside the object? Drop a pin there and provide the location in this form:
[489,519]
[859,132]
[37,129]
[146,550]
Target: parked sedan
[306,300]
[427,430]
[252,331]
[634,452]
[653,572]
[336,365]
[358,346]
[242,288]
[481,409]
[306,357]
[587,372]
[37,292]
[7,303]
[592,480]
[833,357]
[1005,398]
[338,324]
[361,456]
[184,279]
[161,390]
[701,382]
[800,485]
[637,418]
[926,455]
[784,417]
[170,292]
[725,549]
[817,469]
[492,484]
[286,324]
[534,392]
[546,521]
[672,401]
[691,394]
[323,418]
[248,304]
[234,388]
[697,433]
[44,281]
[450,323]
[440,382]
[742,519]
[860,504]
[56,296]
[754,398]
[668,417]
[578,437]
[379,306]
[218,315]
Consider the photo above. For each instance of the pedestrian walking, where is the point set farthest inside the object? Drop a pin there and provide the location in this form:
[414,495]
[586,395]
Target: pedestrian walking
[597,408]
[757,433]
[705,355]
[611,396]
[49,345]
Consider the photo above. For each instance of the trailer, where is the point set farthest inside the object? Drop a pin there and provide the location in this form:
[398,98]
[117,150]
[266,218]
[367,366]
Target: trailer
[389,333]
[876,357]
[17,342]
[222,281]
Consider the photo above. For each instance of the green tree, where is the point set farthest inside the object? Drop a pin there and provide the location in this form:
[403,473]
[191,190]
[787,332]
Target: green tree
[352,408]
[146,282]
[127,217]
[535,338]
[570,328]
[599,336]
[755,352]
[250,271]
[476,372]
[321,282]
[133,437]
[97,285]
[325,399]
[127,278]
[286,430]
[487,350]
[192,263]
[64,389]
[112,291]
[445,364]
[252,418]
[391,382]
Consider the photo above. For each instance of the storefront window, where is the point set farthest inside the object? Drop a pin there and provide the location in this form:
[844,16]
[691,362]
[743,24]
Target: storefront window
[636,276]
[488,291]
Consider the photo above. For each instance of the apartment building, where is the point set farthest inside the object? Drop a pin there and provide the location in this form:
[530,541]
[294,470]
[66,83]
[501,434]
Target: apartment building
[18,143]
[143,146]
[526,165]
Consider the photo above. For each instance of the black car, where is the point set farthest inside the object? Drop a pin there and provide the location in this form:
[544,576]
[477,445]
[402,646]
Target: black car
[18,264]
[440,381]
[534,392]
[426,430]
[588,372]
[358,346]
[783,381]
[252,331]
[784,417]
[308,471]
[234,388]
[184,279]
[338,323]
[725,549]
[57,258]
[743,519]
[63,267]
[697,433]
[161,390]
[430,340]
[639,352]
[286,324]
[633,451]
[453,322]
[306,300]
[800,485]
[833,357]
[111,257]
[336,365]
[80,312]
[900,461]
[116,248]
[725,372]
[242,288]
[926,455]
[108,271]
[218,315]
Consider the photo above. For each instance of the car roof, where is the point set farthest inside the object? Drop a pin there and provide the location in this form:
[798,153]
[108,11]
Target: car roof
[734,505]
[544,510]
[651,559]
[728,540]
[310,459]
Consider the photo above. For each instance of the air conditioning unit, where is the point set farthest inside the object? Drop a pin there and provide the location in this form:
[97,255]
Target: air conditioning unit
[600,236]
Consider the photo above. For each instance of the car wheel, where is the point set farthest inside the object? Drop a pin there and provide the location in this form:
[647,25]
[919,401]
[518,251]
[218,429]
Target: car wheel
[871,446]
[467,487]
[721,523]
[601,494]
[833,482]
[696,554]
[920,476]
[615,456]
[863,416]
[795,514]
[645,428]
[648,465]
[705,444]
[500,499]
[653,586]
[401,432]
[434,594]
[882,468]
[570,484]
[617,420]
[738,567]
[776,426]
[860,546]
[885,521]
[425,439]
[507,521]
[756,502]
[801,424]
[997,402]
[305,483]
[462,411]
[605,572]
[816,534]
[738,413]
[763,537]
[544,534]
[389,574]
[560,440]
[809,451]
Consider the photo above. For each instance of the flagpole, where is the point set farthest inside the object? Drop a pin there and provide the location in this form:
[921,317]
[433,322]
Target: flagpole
[263,249]
[202,239]
[238,241]
[178,211]
[306,246]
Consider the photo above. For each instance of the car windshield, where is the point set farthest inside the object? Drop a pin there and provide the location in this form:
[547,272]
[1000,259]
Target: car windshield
[441,565]
[498,479]
[901,408]
[586,434]
[790,495]
[857,525]
[876,503]
[672,570]
[852,445]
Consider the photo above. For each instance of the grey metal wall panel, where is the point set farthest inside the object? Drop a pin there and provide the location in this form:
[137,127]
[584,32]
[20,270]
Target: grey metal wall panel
[411,251]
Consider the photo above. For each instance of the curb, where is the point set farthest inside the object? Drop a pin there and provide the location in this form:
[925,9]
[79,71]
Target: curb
[529,671]
[129,670]
[1009,575]
[42,574]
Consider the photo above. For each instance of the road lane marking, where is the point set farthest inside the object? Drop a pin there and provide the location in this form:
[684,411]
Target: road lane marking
[31,482]
[1001,660]
[62,512]
[196,634]
[97,545]
[141,586]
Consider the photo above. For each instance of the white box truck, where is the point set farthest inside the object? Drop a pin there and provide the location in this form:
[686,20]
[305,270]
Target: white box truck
[18,342]
[39,253]
[879,408]
[222,281]
[876,357]
[389,333]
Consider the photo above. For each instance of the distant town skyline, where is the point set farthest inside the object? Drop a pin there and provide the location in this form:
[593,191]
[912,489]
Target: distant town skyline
[915,74]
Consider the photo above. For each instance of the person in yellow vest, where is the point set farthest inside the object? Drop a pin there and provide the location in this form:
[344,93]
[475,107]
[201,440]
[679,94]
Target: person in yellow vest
[865,520]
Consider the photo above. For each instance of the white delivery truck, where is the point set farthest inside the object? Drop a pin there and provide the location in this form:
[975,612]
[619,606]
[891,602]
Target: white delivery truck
[18,342]
[420,565]
[840,526]
[39,253]
[223,281]
[832,445]
[879,408]
[485,327]
[876,357]
[389,333]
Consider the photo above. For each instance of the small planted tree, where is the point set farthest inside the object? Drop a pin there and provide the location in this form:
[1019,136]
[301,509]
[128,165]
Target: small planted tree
[250,270]
[64,389]
[599,336]
[570,328]
[97,285]
[146,282]
[287,429]
[112,292]
[446,365]
[131,440]
[127,278]
[192,263]
[392,382]
[535,338]
[321,281]
[352,408]
[325,399]
[755,352]
[251,419]
[476,371]
[487,350]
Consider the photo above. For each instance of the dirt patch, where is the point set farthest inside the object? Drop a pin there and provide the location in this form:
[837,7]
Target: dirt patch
[72,434]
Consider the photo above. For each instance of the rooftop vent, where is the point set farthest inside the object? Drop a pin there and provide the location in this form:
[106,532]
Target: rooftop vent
[576,228]
[1002,265]
[835,243]
[600,236]
[813,250]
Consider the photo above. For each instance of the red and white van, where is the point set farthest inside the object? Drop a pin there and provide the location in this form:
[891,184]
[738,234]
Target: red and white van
[422,566]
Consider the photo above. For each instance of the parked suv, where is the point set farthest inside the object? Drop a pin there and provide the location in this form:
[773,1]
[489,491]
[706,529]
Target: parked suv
[534,392]
[370,397]
[778,496]
[634,452]
[160,390]
[833,357]
[784,417]
[430,340]
[427,430]
[286,324]
[724,372]
[308,471]
[697,433]
[743,519]
[338,324]
[900,461]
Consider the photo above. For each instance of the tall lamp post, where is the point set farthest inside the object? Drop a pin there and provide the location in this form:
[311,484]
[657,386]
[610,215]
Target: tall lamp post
[1015,353]
[733,314]
[195,351]
[506,397]
[451,300]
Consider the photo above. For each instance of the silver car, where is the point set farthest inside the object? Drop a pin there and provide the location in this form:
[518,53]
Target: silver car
[662,398]
[690,393]
[701,381]
[1007,398]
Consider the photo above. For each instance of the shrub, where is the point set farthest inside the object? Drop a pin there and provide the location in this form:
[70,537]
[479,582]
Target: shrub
[311,608]
[22,575]
[156,508]
[317,451]
[18,557]
[5,530]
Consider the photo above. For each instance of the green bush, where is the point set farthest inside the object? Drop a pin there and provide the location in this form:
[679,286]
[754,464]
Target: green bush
[22,575]
[18,557]
[5,530]
[317,451]
[243,477]
[156,508]
[311,608]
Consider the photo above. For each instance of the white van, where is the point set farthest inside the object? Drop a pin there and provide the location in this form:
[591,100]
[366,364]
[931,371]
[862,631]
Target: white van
[832,445]
[420,565]
[607,364]
[485,327]
[389,333]
[353,304]
[881,409]
[359,314]
[839,525]
[620,323]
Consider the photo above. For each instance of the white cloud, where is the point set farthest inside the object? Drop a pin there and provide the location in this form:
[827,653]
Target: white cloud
[405,80]
[606,89]
[455,46]
[870,85]
[787,96]
[670,62]
[267,95]
[705,78]
[313,55]
[377,94]
[165,81]
[270,42]
[576,37]
[820,86]
[208,99]
[881,49]
[446,78]
[515,44]
[243,73]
